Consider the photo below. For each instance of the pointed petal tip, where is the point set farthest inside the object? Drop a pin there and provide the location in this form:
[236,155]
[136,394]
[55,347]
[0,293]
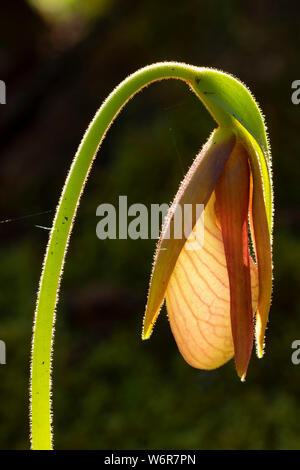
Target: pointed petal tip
[242,372]
[243,377]
[260,349]
[146,335]
[148,324]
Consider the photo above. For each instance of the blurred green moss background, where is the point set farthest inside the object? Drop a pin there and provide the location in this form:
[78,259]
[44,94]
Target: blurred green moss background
[59,61]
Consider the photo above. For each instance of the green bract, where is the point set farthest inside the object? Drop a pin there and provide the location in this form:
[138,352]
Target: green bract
[231,104]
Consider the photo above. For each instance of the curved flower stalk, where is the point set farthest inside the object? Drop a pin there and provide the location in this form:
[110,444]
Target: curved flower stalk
[213,293]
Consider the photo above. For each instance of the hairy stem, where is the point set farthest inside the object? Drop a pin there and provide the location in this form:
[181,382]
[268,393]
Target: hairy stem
[43,335]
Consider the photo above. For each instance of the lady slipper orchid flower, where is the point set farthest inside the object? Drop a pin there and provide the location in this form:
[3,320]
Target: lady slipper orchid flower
[217,294]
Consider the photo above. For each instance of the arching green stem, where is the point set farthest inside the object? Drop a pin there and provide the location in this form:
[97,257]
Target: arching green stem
[41,435]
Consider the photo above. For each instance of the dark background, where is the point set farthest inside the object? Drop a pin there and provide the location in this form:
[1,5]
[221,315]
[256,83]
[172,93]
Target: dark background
[59,60]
